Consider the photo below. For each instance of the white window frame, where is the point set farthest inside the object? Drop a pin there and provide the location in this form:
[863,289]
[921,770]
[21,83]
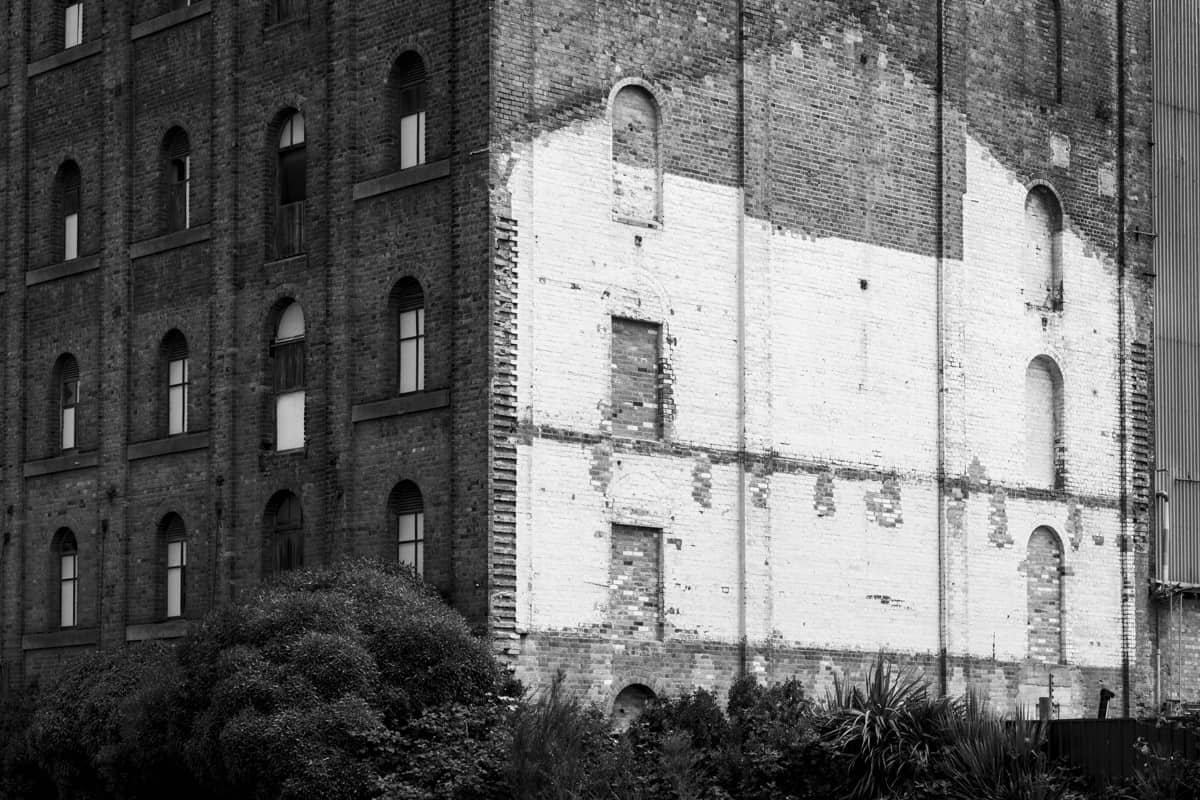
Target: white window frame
[176,567]
[178,382]
[411,350]
[69,402]
[410,534]
[68,596]
[73,25]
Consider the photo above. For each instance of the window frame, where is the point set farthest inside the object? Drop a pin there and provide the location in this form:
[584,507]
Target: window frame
[67,559]
[289,532]
[406,510]
[175,536]
[68,389]
[72,24]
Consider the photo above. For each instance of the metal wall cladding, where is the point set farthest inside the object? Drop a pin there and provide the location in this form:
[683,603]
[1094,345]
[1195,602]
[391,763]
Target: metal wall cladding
[1177,263]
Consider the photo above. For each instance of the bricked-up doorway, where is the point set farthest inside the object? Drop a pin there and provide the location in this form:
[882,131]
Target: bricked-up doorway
[629,704]
[1043,584]
[635,582]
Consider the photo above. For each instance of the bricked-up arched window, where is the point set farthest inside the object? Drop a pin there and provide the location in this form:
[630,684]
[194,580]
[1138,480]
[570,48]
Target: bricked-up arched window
[65,561]
[287,375]
[72,23]
[64,389]
[177,168]
[1044,596]
[175,359]
[406,508]
[292,186]
[1043,249]
[630,704]
[68,188]
[174,538]
[407,308]
[407,101]
[637,162]
[1043,424]
[283,525]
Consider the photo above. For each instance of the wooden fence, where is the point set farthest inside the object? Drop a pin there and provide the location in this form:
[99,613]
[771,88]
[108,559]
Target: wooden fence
[1103,749]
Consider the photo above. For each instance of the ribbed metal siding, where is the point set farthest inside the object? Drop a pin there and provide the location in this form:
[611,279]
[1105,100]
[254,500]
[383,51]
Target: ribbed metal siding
[1177,262]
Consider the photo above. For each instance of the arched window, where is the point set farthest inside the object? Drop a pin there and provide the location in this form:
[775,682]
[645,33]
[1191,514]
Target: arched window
[630,704]
[175,538]
[1043,423]
[637,165]
[66,560]
[175,354]
[177,163]
[1044,596]
[291,178]
[407,305]
[72,24]
[284,529]
[69,183]
[287,361]
[406,96]
[407,510]
[1043,248]
[65,400]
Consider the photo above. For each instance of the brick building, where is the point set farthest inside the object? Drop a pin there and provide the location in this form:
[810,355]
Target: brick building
[671,341]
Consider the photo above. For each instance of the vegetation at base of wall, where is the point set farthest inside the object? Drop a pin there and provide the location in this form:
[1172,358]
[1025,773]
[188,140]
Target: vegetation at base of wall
[357,683]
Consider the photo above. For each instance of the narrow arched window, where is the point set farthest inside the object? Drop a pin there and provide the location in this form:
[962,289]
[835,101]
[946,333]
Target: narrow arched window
[292,186]
[1043,248]
[637,164]
[65,390]
[1044,455]
[175,539]
[177,161]
[69,190]
[66,552]
[72,24]
[407,509]
[175,354]
[287,356]
[408,312]
[284,529]
[1044,596]
[407,96]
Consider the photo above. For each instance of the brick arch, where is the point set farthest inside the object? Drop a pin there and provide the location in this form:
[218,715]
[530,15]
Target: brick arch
[636,122]
[1044,596]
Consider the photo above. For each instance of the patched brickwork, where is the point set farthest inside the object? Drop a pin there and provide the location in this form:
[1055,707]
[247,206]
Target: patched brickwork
[998,519]
[824,502]
[636,379]
[883,506]
[1044,596]
[635,589]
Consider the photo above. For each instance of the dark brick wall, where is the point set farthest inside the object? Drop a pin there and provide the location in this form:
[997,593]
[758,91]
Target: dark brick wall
[225,77]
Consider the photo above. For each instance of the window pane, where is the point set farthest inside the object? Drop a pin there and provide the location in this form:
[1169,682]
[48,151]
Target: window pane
[292,165]
[177,371]
[73,28]
[407,527]
[408,553]
[66,601]
[408,324]
[67,567]
[175,592]
[289,366]
[176,553]
[68,428]
[176,415]
[289,421]
[408,365]
[412,145]
[70,237]
[421,363]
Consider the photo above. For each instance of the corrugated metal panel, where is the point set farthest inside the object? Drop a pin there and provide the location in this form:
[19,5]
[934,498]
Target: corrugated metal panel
[1177,262]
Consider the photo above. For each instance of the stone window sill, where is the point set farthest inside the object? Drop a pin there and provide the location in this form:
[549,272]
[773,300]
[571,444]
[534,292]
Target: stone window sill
[413,176]
[397,406]
[169,241]
[49,466]
[170,19]
[68,637]
[62,269]
[68,56]
[167,629]
[180,443]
